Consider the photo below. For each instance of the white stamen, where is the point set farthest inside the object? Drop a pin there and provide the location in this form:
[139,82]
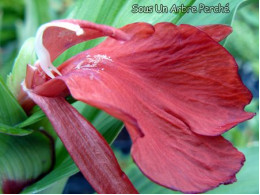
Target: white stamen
[24,87]
[42,52]
[33,67]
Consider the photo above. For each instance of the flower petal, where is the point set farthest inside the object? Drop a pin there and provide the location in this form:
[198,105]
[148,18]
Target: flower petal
[180,69]
[86,146]
[187,72]
[163,147]
[182,160]
[178,85]
[218,32]
[55,37]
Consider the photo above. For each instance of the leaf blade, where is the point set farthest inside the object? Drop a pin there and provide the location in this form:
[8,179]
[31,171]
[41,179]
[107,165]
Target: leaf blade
[11,112]
[14,130]
[23,160]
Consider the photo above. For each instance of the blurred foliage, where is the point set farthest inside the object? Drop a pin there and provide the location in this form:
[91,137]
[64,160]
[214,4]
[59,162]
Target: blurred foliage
[243,44]
[25,158]
[19,20]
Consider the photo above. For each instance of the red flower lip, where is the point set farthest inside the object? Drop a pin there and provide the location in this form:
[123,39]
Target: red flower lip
[175,88]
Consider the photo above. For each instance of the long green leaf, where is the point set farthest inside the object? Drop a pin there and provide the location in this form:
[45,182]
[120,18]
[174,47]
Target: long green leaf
[14,130]
[25,56]
[24,159]
[211,18]
[120,13]
[64,170]
[35,117]
[55,188]
[37,13]
[11,113]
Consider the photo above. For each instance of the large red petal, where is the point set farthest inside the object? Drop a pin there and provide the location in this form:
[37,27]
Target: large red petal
[163,147]
[57,39]
[218,32]
[175,82]
[86,146]
[187,73]
[191,75]
[182,160]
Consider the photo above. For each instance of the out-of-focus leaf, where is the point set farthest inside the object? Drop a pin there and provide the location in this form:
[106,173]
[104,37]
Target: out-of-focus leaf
[14,130]
[7,54]
[246,133]
[37,13]
[211,18]
[25,56]
[253,124]
[66,169]
[23,160]
[237,137]
[120,13]
[11,113]
[249,13]
[16,5]
[11,11]
[243,42]
[55,188]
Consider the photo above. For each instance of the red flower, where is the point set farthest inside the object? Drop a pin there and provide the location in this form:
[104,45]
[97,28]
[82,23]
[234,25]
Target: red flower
[175,88]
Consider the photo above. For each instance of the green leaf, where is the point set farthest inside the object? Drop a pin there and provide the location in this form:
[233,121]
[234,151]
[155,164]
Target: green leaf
[37,13]
[10,11]
[211,18]
[34,118]
[120,13]
[26,56]
[243,42]
[63,171]
[55,188]
[24,159]
[11,113]
[14,130]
